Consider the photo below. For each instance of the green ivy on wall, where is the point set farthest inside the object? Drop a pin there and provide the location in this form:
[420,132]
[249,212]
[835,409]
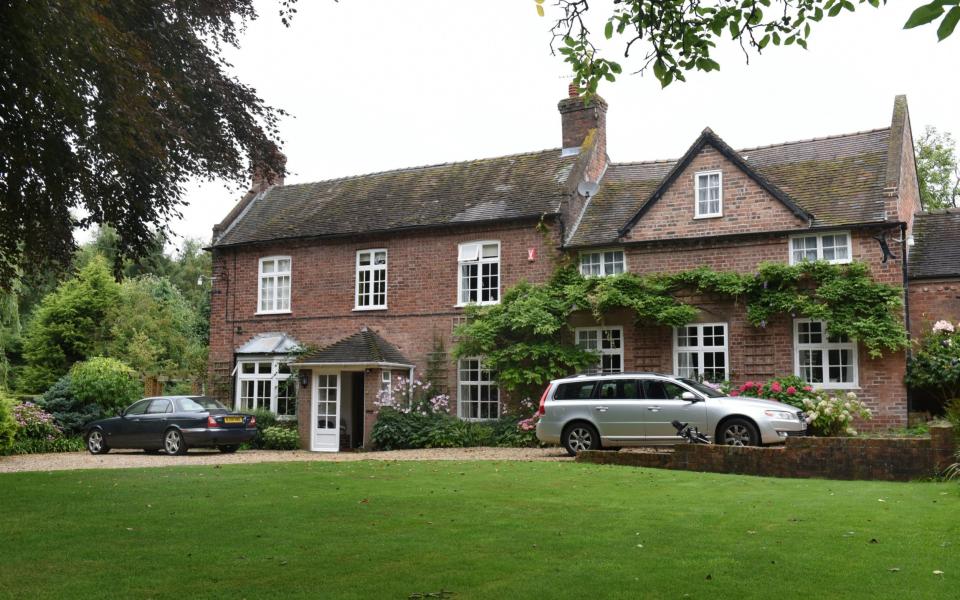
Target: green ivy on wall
[522,338]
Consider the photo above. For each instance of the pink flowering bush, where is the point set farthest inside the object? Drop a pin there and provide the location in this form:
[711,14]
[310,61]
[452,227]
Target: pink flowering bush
[415,396]
[790,390]
[34,423]
[934,368]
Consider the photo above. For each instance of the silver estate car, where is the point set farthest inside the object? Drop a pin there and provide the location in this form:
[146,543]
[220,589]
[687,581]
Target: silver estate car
[588,412]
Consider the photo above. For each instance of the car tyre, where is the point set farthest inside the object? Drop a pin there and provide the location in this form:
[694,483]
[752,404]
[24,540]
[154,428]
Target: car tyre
[578,437]
[738,432]
[97,442]
[173,443]
[228,449]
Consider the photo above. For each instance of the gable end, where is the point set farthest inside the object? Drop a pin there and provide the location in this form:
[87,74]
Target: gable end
[708,137]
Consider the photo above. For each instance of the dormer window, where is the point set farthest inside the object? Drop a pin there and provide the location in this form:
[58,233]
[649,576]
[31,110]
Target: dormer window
[709,194]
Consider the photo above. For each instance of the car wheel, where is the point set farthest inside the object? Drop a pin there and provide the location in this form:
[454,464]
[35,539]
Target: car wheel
[228,449]
[579,437]
[97,442]
[738,432]
[173,443]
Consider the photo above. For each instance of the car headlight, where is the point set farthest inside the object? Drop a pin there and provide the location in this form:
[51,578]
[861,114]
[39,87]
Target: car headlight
[780,415]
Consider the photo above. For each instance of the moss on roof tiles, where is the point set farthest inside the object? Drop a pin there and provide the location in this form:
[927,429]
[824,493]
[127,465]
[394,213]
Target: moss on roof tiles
[838,179]
[937,250]
[517,186]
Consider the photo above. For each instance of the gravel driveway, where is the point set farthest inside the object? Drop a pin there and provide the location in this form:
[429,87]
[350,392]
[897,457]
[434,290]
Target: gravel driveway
[124,459]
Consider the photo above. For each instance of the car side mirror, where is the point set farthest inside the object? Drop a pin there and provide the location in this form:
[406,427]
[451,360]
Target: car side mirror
[690,397]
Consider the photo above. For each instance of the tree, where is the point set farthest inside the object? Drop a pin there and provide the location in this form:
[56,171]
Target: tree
[71,324]
[937,170]
[108,108]
[154,329]
[676,36]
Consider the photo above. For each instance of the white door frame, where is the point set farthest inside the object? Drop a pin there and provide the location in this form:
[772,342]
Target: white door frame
[314,397]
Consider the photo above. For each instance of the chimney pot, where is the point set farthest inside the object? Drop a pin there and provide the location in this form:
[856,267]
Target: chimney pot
[573,90]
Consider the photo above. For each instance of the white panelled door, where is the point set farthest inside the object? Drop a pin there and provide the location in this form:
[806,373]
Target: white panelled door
[326,413]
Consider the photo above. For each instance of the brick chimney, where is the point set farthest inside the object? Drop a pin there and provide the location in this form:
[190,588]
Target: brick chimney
[578,118]
[263,177]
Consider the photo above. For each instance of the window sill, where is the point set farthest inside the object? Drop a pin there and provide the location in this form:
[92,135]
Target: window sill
[368,308]
[272,312]
[826,387]
[698,217]
[476,304]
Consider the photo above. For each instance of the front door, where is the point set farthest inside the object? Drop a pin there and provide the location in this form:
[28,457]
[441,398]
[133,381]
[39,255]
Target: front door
[326,414]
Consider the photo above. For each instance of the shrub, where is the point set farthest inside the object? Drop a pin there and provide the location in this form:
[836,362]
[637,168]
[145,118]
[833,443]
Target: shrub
[107,382]
[34,423]
[396,430]
[69,413]
[833,415]
[935,366]
[279,437]
[953,413]
[8,427]
[40,446]
[265,420]
[790,390]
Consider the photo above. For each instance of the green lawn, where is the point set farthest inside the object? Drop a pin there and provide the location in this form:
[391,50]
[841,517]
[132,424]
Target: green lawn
[377,530]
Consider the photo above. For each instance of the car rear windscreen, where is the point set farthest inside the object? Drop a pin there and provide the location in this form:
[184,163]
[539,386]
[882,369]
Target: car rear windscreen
[578,390]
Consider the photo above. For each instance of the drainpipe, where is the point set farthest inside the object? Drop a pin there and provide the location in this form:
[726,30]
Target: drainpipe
[906,307]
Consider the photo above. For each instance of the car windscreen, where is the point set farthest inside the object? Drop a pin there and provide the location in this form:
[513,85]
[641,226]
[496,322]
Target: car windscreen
[703,388]
[198,404]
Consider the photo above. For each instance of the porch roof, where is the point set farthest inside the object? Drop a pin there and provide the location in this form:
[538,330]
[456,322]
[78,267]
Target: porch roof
[270,343]
[364,348]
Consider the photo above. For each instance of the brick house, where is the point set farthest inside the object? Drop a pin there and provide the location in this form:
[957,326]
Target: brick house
[372,272]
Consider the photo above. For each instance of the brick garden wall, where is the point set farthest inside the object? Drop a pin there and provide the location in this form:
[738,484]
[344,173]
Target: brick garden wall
[891,459]
[932,300]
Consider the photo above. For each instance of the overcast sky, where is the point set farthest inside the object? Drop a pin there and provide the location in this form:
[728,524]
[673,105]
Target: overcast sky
[373,85]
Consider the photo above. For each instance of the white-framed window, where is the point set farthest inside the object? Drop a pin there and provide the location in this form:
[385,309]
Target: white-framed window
[386,386]
[700,352]
[606,343]
[479,281]
[832,247]
[371,279]
[479,397]
[266,383]
[274,285]
[821,359]
[708,186]
[602,263]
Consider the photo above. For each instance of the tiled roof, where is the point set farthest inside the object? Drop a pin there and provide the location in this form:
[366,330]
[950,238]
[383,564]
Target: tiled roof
[364,347]
[937,250]
[839,180]
[508,187]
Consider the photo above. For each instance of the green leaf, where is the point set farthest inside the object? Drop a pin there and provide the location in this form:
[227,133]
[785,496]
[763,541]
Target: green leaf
[569,41]
[949,23]
[734,29]
[764,41]
[923,15]
[608,30]
[615,67]
[835,10]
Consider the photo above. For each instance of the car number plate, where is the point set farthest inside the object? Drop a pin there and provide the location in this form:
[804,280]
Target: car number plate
[233,419]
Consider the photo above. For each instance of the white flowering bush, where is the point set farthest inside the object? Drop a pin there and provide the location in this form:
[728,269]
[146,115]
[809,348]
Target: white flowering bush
[833,415]
[416,396]
[934,368]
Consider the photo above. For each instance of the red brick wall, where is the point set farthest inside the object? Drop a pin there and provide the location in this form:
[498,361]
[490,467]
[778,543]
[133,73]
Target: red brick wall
[932,300]
[758,353]
[888,459]
[747,207]
[421,289]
